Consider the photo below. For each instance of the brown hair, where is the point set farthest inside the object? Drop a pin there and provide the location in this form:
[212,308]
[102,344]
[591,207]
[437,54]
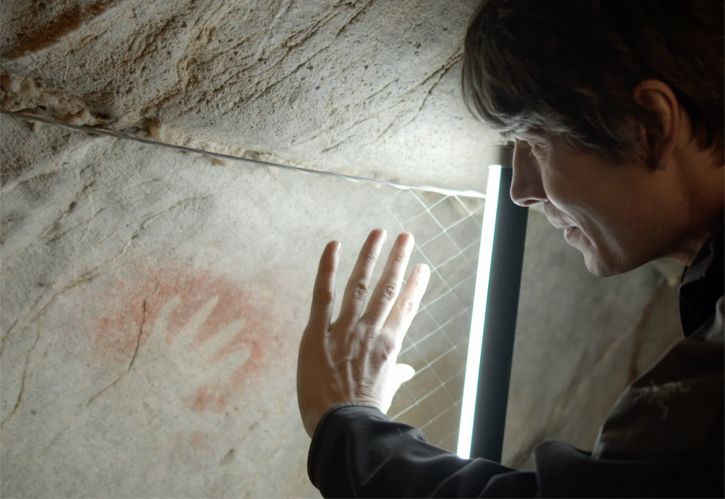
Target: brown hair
[568,67]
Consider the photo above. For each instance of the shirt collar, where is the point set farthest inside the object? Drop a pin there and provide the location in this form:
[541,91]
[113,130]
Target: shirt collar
[702,284]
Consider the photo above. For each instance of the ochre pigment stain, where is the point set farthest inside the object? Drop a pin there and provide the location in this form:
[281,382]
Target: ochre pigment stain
[199,442]
[187,309]
[213,397]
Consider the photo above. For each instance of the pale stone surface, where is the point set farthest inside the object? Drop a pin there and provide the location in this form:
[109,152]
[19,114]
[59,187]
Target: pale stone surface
[364,87]
[137,333]
[152,304]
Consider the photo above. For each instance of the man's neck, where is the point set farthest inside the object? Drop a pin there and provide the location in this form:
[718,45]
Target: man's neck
[705,187]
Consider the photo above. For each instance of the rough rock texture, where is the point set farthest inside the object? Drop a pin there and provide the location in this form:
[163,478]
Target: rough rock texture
[152,305]
[131,363]
[368,88]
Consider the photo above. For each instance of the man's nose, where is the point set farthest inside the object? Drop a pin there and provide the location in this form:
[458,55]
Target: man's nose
[526,186]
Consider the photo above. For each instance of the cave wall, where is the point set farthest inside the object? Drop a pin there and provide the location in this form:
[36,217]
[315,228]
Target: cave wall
[153,300]
[366,88]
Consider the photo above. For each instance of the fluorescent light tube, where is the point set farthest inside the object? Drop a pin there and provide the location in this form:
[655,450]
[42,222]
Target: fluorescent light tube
[478,320]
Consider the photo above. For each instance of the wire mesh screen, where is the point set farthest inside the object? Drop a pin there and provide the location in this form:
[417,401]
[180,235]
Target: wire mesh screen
[448,234]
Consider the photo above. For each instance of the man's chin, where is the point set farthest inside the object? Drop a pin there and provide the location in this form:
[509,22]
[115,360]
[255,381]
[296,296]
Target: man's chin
[601,268]
[600,260]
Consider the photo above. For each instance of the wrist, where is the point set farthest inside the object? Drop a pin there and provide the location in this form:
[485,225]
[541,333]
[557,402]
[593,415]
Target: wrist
[315,421]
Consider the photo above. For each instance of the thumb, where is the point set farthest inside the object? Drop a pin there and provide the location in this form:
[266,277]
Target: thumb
[403,373]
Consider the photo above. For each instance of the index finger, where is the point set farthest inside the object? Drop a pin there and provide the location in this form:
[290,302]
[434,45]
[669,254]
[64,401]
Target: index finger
[323,295]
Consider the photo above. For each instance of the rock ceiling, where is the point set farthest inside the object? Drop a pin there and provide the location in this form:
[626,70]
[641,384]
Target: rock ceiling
[366,88]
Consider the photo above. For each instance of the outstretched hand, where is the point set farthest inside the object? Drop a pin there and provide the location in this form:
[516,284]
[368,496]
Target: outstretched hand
[354,359]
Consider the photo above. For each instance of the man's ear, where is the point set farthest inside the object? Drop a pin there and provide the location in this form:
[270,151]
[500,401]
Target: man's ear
[658,140]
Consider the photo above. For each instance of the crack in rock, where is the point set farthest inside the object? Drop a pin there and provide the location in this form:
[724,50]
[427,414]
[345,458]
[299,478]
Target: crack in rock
[19,401]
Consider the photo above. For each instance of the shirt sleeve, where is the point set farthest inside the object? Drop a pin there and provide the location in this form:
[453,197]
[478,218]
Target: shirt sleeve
[357,451]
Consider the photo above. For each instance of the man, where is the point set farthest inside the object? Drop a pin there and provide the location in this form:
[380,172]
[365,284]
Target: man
[616,107]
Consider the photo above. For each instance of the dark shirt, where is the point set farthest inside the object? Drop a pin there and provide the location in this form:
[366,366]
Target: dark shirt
[663,438]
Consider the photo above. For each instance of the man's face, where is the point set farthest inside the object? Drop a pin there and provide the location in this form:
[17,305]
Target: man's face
[612,213]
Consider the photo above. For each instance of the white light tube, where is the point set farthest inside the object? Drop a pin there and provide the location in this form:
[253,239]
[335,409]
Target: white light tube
[478,319]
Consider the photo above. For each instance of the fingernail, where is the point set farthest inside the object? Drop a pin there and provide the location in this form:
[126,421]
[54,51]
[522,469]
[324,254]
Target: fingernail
[339,247]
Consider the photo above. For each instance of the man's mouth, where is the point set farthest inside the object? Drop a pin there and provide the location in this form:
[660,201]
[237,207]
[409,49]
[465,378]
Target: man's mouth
[569,233]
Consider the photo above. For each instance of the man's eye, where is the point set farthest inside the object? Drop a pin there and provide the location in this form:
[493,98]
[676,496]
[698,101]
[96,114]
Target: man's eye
[539,151]
[531,144]
[538,146]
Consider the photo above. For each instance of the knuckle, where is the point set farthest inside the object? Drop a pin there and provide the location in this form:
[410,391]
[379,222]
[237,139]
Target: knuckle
[416,280]
[387,342]
[323,296]
[407,307]
[360,290]
[400,258]
[370,336]
[386,348]
[370,257]
[389,291]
